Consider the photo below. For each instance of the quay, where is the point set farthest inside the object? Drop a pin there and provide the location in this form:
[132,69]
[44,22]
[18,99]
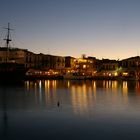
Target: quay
[64,77]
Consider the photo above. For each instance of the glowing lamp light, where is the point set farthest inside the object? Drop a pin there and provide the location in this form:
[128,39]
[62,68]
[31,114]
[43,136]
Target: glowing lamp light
[115,74]
[84,66]
[125,73]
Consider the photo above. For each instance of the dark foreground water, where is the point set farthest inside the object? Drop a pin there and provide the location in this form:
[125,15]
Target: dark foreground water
[75,110]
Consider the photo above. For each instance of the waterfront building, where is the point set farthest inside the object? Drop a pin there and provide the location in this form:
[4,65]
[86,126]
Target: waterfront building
[69,62]
[59,64]
[132,62]
[85,65]
[29,59]
[88,66]
[108,67]
[3,54]
[131,67]
[14,55]
[46,62]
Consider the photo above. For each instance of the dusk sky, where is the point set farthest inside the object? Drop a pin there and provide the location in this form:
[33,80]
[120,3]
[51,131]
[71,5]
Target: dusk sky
[99,28]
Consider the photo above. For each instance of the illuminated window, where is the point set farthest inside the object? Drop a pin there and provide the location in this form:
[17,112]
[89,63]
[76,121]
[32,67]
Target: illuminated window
[77,66]
[84,66]
[115,74]
[125,74]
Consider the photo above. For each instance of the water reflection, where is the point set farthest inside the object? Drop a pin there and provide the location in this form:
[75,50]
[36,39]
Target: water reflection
[4,113]
[83,96]
[137,88]
[59,107]
[125,88]
[46,91]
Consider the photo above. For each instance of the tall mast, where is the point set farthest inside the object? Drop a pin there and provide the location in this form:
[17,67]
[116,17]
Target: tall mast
[7,39]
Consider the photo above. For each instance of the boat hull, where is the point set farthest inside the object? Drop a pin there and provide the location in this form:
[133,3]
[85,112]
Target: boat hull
[11,72]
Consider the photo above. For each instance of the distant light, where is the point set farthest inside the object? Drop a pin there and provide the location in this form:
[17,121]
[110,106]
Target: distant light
[125,73]
[84,66]
[115,74]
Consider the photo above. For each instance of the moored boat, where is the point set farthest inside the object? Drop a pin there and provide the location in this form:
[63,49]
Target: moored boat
[10,71]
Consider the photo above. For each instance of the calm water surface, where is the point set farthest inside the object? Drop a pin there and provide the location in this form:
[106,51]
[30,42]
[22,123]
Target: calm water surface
[76,110]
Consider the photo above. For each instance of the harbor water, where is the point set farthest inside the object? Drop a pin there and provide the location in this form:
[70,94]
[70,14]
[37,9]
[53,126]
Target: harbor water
[75,110]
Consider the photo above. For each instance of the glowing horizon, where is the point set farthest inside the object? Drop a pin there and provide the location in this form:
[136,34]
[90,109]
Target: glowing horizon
[98,28]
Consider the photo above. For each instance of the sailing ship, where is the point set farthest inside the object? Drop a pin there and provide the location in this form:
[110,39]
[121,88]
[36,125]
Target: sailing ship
[10,70]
